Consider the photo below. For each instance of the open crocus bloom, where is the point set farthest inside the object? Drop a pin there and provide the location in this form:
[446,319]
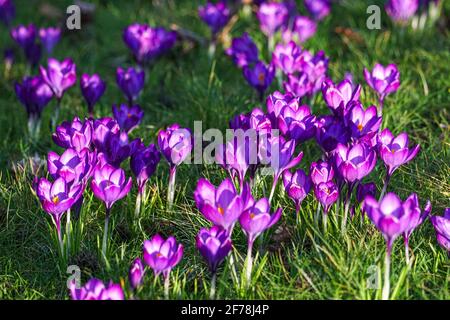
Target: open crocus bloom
[75,134]
[356,162]
[271,16]
[286,57]
[128,117]
[319,9]
[256,219]
[362,122]
[71,165]
[175,144]
[338,96]
[60,76]
[222,206]
[394,150]
[297,122]
[402,10]
[109,184]
[390,215]
[330,132]
[297,185]
[442,227]
[162,255]
[214,245]
[102,128]
[215,15]
[95,289]
[321,171]
[259,76]
[383,80]
[301,30]
[327,193]
[243,51]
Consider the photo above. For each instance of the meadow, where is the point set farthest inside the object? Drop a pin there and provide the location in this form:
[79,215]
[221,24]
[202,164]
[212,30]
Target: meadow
[295,259]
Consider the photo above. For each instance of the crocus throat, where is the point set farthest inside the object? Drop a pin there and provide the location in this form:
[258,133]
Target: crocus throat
[360,127]
[261,77]
[252,215]
[55,199]
[221,211]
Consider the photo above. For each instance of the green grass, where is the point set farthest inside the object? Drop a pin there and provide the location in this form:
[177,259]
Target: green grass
[299,262]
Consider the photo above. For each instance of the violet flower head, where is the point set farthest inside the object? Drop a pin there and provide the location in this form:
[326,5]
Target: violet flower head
[7,11]
[298,84]
[418,216]
[383,80]
[128,117]
[286,57]
[302,29]
[33,53]
[162,255]
[175,144]
[95,289]
[390,215]
[321,171]
[131,82]
[75,134]
[394,151]
[109,184]
[102,128]
[60,76]
[276,102]
[222,206]
[215,15]
[136,273]
[24,36]
[319,9]
[297,186]
[214,245]
[327,193]
[271,16]
[337,97]
[363,123]
[365,189]
[72,166]
[330,132]
[143,163]
[356,162]
[148,43]
[240,121]
[401,11]
[296,122]
[243,51]
[34,94]
[57,197]
[49,38]
[258,218]
[117,147]
[259,76]
[442,227]
[92,88]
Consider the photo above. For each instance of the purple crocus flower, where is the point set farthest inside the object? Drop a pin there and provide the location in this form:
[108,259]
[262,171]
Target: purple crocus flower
[75,134]
[271,16]
[148,43]
[128,117]
[276,102]
[34,94]
[104,127]
[330,132]
[49,38]
[222,206]
[162,256]
[72,166]
[92,88]
[243,51]
[392,218]
[259,76]
[298,85]
[131,82]
[109,184]
[296,122]
[401,11]
[394,151]
[7,11]
[297,186]
[300,30]
[136,273]
[442,227]
[117,147]
[143,163]
[60,76]
[215,15]
[240,121]
[365,189]
[321,171]
[354,163]
[337,97]
[254,221]
[214,245]
[279,153]
[95,289]
[327,193]
[319,9]
[33,53]
[24,36]
[57,197]
[362,123]
[384,80]
[286,57]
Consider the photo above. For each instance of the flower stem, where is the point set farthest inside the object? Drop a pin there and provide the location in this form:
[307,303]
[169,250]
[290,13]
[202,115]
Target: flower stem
[68,227]
[55,115]
[137,210]
[212,292]
[386,182]
[58,231]
[274,186]
[171,189]
[105,233]
[387,271]
[249,264]
[325,220]
[166,285]
[271,44]
[407,251]
[347,207]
